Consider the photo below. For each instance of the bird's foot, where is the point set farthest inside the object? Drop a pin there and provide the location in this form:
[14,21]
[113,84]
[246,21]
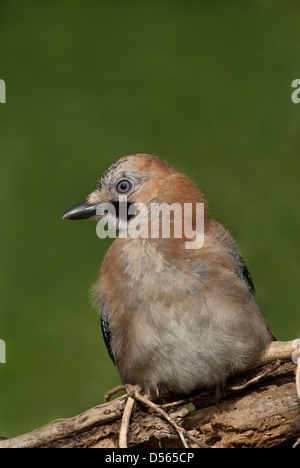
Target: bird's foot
[134,395]
[113,391]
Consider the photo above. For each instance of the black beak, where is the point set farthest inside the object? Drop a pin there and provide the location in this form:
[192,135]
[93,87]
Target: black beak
[81,211]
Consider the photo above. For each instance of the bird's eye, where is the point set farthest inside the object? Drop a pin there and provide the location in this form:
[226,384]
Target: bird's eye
[124,186]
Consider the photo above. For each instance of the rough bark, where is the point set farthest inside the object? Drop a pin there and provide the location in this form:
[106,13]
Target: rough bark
[261,410]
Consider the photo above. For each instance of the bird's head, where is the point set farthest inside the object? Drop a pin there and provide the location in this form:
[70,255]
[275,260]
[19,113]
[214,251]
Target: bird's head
[138,178]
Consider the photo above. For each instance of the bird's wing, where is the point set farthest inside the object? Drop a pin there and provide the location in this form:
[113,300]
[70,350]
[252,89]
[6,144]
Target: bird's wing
[107,335]
[243,273]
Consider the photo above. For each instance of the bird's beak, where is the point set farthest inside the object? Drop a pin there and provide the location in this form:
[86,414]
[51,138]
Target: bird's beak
[81,211]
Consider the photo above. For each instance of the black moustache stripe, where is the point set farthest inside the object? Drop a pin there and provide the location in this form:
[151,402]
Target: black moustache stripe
[125,208]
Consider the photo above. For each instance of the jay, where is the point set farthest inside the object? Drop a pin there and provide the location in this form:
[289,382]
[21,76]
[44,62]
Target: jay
[173,319]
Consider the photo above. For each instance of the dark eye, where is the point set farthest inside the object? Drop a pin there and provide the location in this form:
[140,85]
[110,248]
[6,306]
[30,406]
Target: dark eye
[124,186]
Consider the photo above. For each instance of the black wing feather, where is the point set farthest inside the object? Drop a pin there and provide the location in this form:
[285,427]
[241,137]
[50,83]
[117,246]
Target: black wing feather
[107,336]
[244,274]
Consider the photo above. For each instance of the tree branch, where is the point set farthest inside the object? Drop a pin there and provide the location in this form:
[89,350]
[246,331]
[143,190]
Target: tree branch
[261,410]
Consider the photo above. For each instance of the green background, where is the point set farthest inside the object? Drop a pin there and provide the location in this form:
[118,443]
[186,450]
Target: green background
[205,85]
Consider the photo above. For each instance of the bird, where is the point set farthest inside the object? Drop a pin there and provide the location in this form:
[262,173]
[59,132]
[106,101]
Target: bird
[173,318]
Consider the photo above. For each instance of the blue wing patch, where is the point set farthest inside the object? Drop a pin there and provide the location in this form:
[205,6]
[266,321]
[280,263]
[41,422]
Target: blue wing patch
[243,273]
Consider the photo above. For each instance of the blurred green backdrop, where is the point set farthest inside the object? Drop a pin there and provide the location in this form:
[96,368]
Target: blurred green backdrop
[207,86]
